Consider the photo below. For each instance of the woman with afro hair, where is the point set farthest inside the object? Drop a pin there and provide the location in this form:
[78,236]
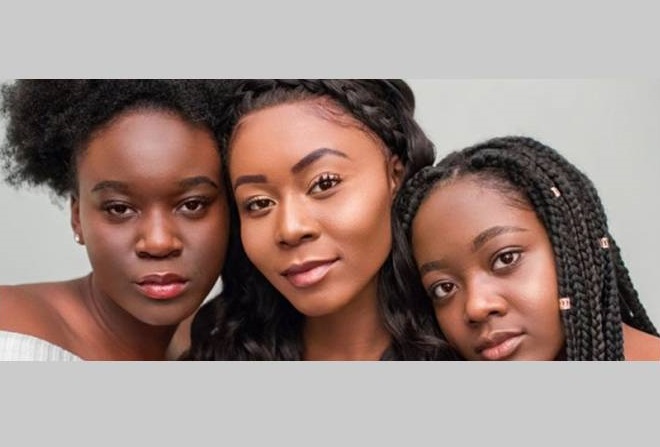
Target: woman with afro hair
[139,162]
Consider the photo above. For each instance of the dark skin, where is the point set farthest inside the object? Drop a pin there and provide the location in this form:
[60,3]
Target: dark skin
[314,198]
[151,211]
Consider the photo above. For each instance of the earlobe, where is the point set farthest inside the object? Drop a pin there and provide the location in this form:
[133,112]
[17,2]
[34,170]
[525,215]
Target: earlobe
[396,170]
[75,221]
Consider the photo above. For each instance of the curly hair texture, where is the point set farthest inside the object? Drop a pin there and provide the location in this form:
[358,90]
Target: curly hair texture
[259,323]
[49,121]
[592,273]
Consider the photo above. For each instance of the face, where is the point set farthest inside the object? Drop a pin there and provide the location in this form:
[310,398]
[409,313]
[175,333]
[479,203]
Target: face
[488,266]
[152,212]
[314,198]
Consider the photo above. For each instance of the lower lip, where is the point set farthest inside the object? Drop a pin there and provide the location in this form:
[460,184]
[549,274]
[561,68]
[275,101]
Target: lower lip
[310,277]
[163,291]
[503,350]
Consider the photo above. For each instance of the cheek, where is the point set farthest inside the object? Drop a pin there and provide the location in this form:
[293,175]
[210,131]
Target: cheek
[209,240]
[362,219]
[450,320]
[256,241]
[542,290]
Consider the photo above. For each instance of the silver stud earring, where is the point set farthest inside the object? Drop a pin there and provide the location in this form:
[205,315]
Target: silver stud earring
[76,237]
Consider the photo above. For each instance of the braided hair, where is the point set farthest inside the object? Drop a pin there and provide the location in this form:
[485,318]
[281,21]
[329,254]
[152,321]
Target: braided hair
[590,269]
[257,322]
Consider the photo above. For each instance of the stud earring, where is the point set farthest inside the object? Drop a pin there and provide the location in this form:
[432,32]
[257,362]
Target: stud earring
[76,237]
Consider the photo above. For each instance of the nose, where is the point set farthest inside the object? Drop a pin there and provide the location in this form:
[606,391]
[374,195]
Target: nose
[483,301]
[295,224]
[158,236]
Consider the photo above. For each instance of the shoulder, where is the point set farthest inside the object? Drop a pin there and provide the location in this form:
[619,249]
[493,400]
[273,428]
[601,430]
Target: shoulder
[16,346]
[33,309]
[639,345]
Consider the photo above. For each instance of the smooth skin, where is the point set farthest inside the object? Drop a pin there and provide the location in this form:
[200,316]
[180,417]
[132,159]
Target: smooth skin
[489,269]
[152,213]
[490,272]
[314,192]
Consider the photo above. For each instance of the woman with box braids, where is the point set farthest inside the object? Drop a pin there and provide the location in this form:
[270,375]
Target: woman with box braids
[314,167]
[533,271]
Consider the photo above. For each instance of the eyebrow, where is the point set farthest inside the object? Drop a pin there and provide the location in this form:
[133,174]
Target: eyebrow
[313,156]
[492,232]
[296,168]
[122,187]
[477,243]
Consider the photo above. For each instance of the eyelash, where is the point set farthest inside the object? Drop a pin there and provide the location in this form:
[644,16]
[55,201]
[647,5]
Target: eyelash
[517,255]
[252,205]
[120,211]
[437,286]
[320,185]
[111,209]
[330,180]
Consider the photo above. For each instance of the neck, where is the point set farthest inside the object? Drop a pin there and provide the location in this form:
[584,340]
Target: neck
[351,334]
[114,334]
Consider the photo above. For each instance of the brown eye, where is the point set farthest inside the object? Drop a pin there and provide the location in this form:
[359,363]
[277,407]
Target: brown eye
[118,210]
[324,183]
[440,291]
[194,206]
[506,259]
[258,204]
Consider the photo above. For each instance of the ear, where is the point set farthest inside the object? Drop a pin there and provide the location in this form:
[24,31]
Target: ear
[75,220]
[395,172]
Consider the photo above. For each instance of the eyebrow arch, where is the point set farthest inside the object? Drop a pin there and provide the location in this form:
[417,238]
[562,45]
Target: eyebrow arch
[477,243]
[123,187]
[112,185]
[429,266]
[243,179]
[198,180]
[299,166]
[313,156]
[490,233]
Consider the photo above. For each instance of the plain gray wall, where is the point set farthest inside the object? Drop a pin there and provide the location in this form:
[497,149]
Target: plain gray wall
[608,127]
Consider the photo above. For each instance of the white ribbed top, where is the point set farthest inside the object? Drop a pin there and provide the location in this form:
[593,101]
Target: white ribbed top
[15,346]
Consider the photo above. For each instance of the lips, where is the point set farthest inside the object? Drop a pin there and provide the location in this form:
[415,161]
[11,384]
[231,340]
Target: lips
[308,273]
[499,345]
[162,286]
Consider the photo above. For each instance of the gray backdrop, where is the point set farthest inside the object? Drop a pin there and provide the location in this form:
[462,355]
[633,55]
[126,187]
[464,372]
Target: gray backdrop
[607,127]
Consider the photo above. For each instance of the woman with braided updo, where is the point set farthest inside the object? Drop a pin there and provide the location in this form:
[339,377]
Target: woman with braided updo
[314,167]
[140,164]
[510,242]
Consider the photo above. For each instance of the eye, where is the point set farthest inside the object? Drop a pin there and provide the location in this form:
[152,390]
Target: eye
[257,204]
[440,291]
[506,260]
[324,182]
[194,206]
[118,210]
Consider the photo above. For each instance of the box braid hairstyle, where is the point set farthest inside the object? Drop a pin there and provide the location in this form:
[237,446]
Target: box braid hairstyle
[590,269]
[259,323]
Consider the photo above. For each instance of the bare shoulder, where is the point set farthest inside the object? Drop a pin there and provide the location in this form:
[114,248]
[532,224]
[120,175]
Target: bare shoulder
[33,309]
[638,345]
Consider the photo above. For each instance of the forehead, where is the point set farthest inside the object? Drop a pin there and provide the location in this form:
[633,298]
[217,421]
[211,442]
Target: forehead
[149,145]
[468,206]
[290,131]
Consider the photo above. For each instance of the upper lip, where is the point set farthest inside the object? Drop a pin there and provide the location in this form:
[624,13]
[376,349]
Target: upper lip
[494,338]
[161,279]
[305,266]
